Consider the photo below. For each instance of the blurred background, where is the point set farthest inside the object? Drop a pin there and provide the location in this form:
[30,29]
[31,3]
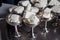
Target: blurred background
[11,1]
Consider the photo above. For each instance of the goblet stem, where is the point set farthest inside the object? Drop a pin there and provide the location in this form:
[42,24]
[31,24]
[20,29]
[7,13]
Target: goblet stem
[46,27]
[2,19]
[33,35]
[17,33]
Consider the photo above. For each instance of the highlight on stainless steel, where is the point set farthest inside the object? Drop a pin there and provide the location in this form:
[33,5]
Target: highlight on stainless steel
[2,19]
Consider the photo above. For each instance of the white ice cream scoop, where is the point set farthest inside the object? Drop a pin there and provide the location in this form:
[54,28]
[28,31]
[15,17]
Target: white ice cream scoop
[19,9]
[47,14]
[54,2]
[12,8]
[56,9]
[23,3]
[27,14]
[16,9]
[14,19]
[34,9]
[42,4]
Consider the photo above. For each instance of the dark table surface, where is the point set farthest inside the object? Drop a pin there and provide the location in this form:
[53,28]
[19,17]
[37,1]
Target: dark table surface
[3,13]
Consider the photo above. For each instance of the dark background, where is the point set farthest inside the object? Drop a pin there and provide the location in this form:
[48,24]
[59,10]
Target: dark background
[11,1]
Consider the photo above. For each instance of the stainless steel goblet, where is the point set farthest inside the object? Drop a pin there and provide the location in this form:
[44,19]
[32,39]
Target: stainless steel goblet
[14,20]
